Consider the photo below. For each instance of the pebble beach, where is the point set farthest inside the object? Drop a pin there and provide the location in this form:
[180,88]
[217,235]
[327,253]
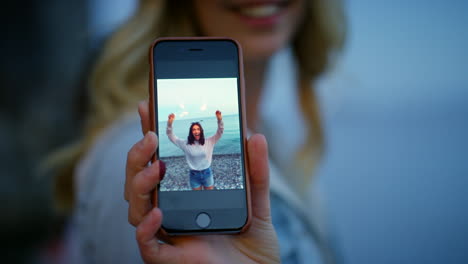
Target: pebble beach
[226,173]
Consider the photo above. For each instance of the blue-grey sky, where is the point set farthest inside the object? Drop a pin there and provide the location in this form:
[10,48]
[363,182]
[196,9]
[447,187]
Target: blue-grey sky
[406,52]
[394,173]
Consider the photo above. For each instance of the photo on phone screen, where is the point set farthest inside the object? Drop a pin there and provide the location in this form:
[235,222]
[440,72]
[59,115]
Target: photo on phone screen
[199,134]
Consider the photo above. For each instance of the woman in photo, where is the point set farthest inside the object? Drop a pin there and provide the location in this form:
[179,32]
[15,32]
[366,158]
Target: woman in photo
[198,151]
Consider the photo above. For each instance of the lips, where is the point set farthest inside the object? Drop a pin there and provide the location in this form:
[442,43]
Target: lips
[259,10]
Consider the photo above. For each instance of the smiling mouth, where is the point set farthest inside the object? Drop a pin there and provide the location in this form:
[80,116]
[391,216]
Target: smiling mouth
[259,10]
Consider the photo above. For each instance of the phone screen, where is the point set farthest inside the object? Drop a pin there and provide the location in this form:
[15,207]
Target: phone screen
[199,124]
[202,150]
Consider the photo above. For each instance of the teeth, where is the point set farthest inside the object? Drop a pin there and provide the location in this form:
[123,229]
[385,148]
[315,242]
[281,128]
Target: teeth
[260,11]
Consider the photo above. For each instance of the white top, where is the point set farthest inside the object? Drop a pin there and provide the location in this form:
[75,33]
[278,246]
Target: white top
[198,156]
[100,232]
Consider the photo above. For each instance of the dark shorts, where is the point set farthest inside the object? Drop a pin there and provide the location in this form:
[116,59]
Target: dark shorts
[201,178]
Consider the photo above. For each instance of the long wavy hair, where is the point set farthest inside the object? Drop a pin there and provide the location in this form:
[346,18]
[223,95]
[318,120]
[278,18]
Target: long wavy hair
[191,137]
[119,78]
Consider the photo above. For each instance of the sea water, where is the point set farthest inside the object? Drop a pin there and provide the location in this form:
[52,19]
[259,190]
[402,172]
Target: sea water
[229,143]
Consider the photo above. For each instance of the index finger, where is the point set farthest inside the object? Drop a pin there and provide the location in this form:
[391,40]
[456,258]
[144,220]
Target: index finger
[142,187]
[138,157]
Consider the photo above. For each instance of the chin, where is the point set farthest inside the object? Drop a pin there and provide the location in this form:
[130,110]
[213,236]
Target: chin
[261,48]
[262,27]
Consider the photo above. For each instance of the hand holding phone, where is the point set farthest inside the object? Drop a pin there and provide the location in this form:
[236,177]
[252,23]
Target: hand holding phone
[258,244]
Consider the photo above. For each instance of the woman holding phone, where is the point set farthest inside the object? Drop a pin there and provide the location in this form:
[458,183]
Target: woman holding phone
[287,45]
[198,151]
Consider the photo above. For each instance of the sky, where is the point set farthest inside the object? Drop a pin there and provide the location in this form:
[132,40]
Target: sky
[196,98]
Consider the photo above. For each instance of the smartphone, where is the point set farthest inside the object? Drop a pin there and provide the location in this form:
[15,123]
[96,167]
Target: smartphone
[197,110]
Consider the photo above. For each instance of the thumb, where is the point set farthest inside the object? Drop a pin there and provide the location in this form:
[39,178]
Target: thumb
[143,110]
[259,176]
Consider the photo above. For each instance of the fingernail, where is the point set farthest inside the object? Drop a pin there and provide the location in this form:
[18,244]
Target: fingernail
[162,169]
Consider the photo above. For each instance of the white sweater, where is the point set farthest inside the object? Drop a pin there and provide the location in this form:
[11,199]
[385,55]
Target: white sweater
[198,156]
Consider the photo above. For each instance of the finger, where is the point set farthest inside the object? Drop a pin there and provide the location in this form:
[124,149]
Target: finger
[142,188]
[259,176]
[138,157]
[150,249]
[143,110]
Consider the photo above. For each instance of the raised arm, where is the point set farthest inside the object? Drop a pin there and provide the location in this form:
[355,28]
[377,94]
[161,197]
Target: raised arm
[220,130]
[170,133]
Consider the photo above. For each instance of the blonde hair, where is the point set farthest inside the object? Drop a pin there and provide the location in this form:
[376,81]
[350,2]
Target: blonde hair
[120,76]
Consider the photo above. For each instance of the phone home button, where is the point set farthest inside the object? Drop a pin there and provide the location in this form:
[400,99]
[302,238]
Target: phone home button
[203,220]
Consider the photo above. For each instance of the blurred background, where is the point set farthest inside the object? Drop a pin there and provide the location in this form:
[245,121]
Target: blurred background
[395,170]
